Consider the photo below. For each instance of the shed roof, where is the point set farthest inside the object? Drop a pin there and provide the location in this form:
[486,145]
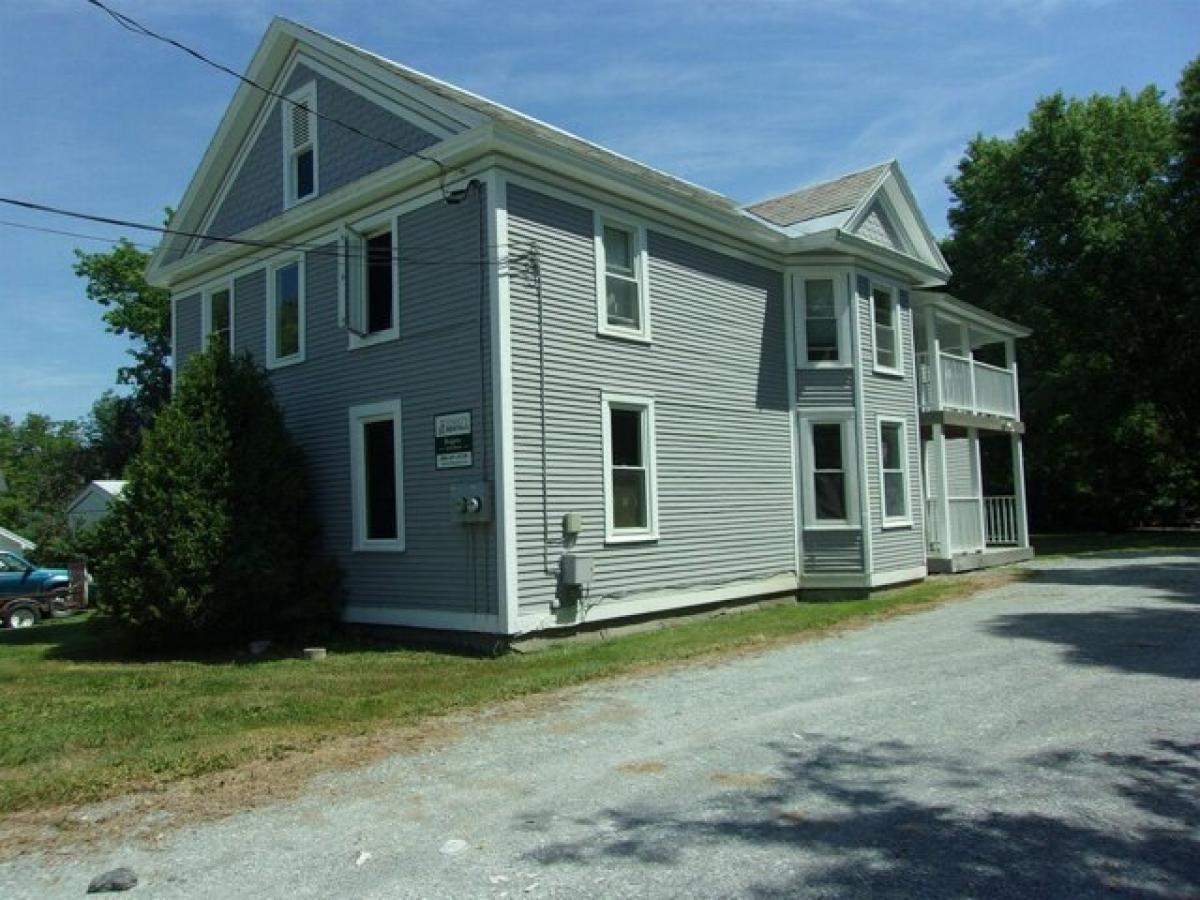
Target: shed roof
[14,538]
[110,488]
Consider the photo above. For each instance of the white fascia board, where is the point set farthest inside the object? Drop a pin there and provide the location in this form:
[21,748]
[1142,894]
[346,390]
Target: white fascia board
[921,273]
[276,51]
[960,309]
[617,179]
[899,196]
[239,116]
[455,153]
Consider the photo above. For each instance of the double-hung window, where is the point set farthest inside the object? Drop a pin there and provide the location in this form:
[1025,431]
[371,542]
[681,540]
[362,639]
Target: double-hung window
[823,330]
[377,476]
[830,494]
[299,144]
[217,315]
[631,503]
[623,296]
[885,318]
[369,283]
[893,471]
[285,314]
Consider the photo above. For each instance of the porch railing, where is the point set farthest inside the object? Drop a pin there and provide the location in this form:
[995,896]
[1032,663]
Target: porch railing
[966,527]
[971,531]
[1000,519]
[969,385]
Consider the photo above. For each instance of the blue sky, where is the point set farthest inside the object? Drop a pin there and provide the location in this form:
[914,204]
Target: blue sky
[748,97]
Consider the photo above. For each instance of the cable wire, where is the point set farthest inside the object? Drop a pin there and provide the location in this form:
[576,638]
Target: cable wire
[75,234]
[136,27]
[246,242]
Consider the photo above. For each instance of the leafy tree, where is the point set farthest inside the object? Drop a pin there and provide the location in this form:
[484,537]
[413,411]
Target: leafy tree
[1066,227]
[213,540]
[117,281]
[44,465]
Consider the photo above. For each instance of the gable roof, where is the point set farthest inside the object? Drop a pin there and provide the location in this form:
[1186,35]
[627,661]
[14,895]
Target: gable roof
[822,215]
[110,488]
[13,538]
[822,199]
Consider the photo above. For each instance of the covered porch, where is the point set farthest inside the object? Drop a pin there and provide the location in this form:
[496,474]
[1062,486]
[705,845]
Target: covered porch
[971,436]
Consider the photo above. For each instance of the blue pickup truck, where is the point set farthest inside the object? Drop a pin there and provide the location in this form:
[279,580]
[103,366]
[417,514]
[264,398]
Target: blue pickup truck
[29,593]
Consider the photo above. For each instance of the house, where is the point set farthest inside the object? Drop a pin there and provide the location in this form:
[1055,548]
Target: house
[91,504]
[13,542]
[540,384]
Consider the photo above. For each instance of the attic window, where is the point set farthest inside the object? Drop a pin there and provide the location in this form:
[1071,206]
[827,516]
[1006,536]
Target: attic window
[300,144]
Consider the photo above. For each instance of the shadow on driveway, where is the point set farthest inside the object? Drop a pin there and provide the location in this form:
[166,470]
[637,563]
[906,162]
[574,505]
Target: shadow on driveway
[845,814]
[1161,637]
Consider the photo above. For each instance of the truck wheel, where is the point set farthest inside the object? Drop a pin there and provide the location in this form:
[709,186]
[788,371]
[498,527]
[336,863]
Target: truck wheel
[23,617]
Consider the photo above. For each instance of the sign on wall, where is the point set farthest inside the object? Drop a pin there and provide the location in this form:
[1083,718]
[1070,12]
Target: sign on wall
[452,440]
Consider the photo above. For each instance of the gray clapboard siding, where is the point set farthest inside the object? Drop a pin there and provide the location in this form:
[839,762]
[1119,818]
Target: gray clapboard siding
[717,373]
[877,227]
[187,329]
[435,367]
[256,194]
[892,549]
[833,552]
[960,468]
[825,388]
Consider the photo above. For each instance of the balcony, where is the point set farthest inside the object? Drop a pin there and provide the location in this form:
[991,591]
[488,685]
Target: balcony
[967,385]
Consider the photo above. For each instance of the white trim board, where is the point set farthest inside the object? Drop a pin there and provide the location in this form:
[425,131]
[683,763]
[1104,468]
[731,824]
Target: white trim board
[650,602]
[504,451]
[366,414]
[874,580]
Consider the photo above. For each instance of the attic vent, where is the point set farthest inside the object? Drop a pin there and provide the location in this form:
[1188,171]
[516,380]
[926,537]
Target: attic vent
[300,127]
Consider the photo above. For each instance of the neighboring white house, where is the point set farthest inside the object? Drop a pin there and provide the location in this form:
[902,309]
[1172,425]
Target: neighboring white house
[92,503]
[10,540]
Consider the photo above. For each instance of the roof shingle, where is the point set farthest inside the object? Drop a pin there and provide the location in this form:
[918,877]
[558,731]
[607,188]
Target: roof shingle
[818,200]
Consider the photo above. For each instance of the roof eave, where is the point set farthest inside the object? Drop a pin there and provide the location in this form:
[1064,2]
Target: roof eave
[953,305]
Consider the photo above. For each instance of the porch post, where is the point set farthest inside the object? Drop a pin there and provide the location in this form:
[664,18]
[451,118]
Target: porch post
[1010,360]
[969,353]
[977,464]
[1018,464]
[933,347]
[945,544]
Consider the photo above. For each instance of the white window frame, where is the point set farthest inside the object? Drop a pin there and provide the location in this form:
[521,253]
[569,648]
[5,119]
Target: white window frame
[361,415]
[841,310]
[847,421]
[352,278]
[897,326]
[274,361]
[645,405]
[893,521]
[306,94]
[206,324]
[641,268]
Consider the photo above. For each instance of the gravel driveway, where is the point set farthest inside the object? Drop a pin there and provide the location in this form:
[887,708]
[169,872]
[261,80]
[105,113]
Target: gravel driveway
[1038,740]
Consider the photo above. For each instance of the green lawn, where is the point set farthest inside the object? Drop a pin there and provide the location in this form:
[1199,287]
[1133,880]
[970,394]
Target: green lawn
[76,725]
[1130,541]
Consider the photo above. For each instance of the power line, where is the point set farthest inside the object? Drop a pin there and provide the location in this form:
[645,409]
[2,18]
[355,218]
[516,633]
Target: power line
[74,234]
[245,242]
[131,24]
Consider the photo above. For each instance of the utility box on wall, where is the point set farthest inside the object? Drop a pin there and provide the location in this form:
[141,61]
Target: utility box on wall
[471,502]
[577,570]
